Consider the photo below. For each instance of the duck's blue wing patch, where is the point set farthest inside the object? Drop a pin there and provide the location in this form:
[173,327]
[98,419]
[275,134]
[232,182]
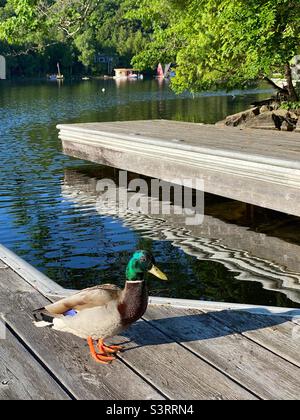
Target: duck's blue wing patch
[71,312]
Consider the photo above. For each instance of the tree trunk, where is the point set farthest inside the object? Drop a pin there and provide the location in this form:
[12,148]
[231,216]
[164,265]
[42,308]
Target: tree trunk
[293,97]
[281,90]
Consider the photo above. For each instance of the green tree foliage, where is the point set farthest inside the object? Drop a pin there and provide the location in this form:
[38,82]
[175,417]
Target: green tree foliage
[110,32]
[21,23]
[220,42]
[90,26]
[33,21]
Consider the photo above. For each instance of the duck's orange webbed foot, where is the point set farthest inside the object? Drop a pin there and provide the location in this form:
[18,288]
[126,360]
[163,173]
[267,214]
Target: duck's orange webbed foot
[108,349]
[99,357]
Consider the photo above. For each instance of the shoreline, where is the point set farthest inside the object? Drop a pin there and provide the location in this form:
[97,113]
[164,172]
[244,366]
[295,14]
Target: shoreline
[264,115]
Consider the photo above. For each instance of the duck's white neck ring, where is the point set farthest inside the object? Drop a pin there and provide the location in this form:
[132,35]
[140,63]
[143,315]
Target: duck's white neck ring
[134,281]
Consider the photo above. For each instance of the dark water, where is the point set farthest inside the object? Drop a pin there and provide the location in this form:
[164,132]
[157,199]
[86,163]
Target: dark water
[47,201]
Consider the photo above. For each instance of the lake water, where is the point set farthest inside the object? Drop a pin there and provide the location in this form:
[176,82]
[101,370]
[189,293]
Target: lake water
[48,211]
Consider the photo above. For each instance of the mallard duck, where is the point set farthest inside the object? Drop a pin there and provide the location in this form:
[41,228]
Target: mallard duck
[103,311]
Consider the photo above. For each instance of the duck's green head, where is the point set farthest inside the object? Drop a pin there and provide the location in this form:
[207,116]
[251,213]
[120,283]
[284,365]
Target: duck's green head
[142,262]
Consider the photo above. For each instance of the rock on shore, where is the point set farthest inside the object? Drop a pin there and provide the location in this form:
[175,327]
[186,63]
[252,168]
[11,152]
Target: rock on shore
[267,117]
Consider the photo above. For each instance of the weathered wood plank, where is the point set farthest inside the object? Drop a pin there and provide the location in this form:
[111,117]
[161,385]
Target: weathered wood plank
[30,274]
[280,336]
[65,355]
[22,377]
[275,144]
[259,370]
[296,321]
[175,371]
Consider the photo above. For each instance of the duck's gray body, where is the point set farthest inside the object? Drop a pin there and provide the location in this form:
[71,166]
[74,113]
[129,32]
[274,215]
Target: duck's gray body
[102,311]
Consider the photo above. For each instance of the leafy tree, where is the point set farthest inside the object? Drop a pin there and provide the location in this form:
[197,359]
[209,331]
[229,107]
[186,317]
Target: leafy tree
[33,21]
[90,26]
[21,23]
[110,32]
[220,42]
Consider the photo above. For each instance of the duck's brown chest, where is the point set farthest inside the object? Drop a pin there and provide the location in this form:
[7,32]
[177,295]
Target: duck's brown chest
[134,302]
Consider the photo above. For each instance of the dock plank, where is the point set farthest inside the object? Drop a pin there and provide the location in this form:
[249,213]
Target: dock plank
[65,355]
[202,135]
[259,370]
[282,338]
[175,371]
[22,377]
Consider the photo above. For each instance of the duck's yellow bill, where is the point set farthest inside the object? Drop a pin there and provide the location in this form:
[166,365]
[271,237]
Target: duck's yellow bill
[157,273]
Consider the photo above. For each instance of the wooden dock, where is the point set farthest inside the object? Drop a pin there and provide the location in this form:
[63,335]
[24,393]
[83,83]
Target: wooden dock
[179,350]
[259,167]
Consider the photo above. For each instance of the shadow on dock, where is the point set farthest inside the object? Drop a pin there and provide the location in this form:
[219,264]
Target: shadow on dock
[199,327]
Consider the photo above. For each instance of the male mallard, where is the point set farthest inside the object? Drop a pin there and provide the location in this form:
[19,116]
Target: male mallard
[103,311]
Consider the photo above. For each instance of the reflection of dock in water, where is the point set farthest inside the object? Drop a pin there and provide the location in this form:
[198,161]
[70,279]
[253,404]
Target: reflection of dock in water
[252,256]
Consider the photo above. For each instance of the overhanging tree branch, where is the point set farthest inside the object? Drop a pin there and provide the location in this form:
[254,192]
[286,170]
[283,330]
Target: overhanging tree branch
[275,86]
[30,49]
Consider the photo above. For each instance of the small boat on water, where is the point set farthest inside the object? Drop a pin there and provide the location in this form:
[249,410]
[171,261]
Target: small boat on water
[57,76]
[164,72]
[128,74]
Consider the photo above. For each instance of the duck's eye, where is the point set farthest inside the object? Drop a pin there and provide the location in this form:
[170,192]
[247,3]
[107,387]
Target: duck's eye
[143,259]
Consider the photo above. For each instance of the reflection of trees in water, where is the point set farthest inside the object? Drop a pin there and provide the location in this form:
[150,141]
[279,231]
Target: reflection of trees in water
[209,280]
[219,285]
[200,267]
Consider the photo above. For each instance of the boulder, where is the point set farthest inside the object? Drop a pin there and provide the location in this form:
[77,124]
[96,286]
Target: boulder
[287,119]
[290,121]
[286,126]
[265,108]
[280,119]
[281,112]
[294,116]
[297,112]
[264,117]
[275,106]
[240,119]
[263,121]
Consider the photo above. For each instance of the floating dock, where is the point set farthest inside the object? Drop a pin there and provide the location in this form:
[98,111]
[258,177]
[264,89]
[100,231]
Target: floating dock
[179,350]
[258,167]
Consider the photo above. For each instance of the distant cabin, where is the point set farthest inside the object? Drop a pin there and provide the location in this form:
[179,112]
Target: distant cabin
[127,74]
[2,68]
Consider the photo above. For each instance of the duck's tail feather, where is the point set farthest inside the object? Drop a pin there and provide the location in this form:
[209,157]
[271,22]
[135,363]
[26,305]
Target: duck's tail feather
[42,324]
[42,318]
